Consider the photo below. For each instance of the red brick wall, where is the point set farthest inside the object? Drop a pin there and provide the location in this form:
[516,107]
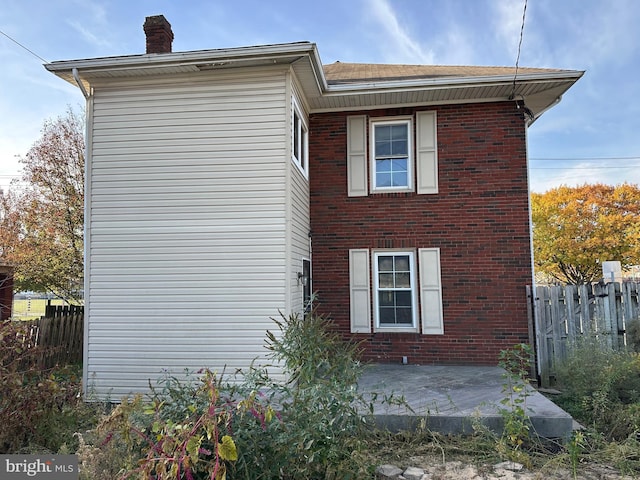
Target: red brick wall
[479,220]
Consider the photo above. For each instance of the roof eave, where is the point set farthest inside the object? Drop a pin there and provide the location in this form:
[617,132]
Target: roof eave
[217,58]
[363,87]
[181,58]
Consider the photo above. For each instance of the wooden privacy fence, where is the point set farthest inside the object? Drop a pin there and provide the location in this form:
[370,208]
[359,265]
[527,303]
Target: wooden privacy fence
[566,314]
[58,335]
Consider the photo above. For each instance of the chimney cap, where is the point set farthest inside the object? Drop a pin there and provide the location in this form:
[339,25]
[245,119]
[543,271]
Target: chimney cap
[156,20]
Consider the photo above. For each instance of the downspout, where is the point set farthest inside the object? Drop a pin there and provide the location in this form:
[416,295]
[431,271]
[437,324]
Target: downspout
[76,77]
[534,330]
[87,220]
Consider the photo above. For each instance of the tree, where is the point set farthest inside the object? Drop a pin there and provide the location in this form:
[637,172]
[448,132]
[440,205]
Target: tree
[42,224]
[575,229]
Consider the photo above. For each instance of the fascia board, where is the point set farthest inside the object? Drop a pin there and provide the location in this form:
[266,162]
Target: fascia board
[185,58]
[461,82]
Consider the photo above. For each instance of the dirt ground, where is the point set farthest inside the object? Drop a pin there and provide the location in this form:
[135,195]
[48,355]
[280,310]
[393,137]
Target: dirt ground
[435,469]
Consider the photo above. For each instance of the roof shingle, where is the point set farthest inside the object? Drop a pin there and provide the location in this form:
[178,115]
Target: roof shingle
[341,72]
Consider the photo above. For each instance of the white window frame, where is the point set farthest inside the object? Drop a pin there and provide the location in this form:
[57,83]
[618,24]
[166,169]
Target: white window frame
[299,139]
[380,121]
[414,327]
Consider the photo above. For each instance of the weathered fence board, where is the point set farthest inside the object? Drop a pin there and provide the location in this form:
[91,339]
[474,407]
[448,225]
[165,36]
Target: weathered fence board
[58,335]
[565,314]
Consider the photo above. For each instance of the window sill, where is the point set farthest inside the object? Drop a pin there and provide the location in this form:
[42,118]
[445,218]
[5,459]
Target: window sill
[396,330]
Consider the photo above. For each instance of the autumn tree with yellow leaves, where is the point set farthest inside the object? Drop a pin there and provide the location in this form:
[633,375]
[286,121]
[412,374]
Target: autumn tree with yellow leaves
[42,216]
[575,229]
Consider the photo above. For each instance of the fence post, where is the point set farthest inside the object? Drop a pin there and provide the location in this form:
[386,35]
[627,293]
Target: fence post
[532,332]
[542,335]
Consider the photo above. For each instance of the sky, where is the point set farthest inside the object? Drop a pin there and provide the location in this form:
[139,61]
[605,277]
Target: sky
[592,135]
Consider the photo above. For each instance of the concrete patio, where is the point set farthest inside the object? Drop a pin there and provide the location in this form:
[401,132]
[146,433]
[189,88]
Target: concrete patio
[451,398]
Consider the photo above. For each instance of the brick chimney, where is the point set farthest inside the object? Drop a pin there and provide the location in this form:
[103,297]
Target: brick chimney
[159,34]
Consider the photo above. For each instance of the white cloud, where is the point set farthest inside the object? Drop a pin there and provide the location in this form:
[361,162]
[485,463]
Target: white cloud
[399,46]
[508,23]
[89,36]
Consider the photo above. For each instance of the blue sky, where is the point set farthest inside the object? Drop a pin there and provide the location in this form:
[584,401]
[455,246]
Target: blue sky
[593,135]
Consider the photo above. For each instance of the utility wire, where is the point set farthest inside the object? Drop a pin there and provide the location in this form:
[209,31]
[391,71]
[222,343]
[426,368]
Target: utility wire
[515,75]
[581,159]
[23,47]
[588,168]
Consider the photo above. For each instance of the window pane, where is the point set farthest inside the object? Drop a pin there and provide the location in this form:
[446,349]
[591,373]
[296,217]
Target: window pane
[296,136]
[403,280]
[385,264]
[387,316]
[387,299]
[404,316]
[383,133]
[402,263]
[399,147]
[398,132]
[383,180]
[399,180]
[399,165]
[384,166]
[403,299]
[383,149]
[385,280]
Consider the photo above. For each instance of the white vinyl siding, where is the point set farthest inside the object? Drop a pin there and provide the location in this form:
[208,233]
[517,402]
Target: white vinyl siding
[300,213]
[187,217]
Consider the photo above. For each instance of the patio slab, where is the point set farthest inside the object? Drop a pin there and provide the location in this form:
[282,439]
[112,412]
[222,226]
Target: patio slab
[451,398]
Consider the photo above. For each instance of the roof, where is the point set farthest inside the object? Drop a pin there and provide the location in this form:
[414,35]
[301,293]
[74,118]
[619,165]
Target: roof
[341,72]
[342,86]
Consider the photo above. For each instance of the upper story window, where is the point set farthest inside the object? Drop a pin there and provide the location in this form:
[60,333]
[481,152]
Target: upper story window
[391,155]
[392,160]
[300,141]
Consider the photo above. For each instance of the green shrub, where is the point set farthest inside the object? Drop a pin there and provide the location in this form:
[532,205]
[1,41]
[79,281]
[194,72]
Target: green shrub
[601,388]
[308,427]
[516,362]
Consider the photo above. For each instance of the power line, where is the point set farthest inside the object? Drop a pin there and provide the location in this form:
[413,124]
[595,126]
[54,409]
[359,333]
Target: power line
[23,47]
[588,168]
[515,74]
[581,159]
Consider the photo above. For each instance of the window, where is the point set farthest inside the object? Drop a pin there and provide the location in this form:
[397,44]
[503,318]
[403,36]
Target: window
[391,153]
[399,278]
[392,160]
[306,286]
[300,140]
[394,289]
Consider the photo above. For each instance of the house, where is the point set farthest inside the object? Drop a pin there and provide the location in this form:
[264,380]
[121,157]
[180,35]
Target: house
[226,185]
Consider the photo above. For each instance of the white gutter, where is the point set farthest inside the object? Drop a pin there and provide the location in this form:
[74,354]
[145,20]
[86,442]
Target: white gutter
[185,58]
[449,81]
